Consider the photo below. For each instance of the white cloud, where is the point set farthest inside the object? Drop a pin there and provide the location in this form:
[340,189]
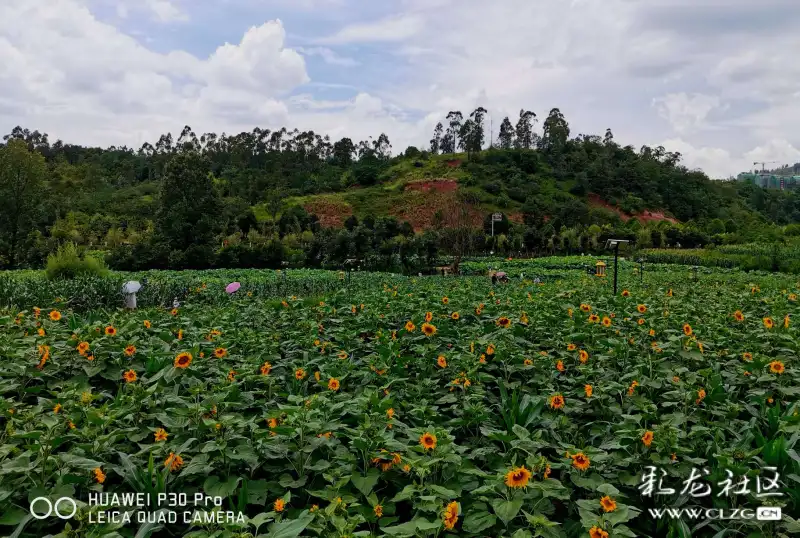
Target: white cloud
[724,79]
[165,11]
[389,29]
[686,112]
[329,56]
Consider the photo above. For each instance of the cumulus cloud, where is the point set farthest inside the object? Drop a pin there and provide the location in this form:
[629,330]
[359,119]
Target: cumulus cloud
[717,83]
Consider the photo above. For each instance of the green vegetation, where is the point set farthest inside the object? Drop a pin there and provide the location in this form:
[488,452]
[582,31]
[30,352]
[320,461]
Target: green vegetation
[264,198]
[417,407]
[68,263]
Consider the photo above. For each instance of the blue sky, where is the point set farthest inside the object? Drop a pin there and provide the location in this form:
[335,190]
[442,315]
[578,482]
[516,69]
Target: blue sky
[715,80]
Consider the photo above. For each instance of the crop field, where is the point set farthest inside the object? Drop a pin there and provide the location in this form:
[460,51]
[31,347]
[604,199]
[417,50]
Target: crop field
[425,407]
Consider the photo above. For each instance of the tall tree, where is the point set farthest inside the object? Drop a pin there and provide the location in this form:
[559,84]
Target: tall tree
[455,118]
[466,136]
[343,152]
[190,211]
[436,141]
[382,147]
[556,132]
[506,135]
[22,174]
[524,129]
[477,134]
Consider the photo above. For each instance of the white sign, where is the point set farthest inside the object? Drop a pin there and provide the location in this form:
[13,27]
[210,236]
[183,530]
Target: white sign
[497,217]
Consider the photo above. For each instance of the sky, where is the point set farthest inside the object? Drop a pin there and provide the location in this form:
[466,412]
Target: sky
[716,80]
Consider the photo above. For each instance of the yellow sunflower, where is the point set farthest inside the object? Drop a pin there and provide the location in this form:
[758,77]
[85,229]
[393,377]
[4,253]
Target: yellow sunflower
[427,441]
[518,477]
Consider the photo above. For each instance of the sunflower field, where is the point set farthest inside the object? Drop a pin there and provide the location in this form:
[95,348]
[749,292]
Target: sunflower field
[427,407]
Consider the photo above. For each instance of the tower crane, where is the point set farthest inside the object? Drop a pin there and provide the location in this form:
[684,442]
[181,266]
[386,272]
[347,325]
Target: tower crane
[762,163]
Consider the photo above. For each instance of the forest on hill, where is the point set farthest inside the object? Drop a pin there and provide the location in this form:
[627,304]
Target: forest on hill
[264,198]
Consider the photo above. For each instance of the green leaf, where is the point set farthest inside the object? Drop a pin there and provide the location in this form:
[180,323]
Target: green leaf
[364,484]
[291,528]
[476,522]
[506,510]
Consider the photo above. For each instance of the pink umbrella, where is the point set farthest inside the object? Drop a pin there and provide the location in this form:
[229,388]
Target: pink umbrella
[232,287]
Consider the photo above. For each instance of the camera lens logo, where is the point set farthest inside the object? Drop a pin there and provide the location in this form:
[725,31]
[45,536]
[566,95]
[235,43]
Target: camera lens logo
[61,508]
[768,513]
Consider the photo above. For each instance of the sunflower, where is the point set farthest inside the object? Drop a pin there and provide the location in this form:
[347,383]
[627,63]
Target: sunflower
[220,352]
[83,347]
[632,387]
[40,332]
[776,367]
[606,321]
[597,532]
[299,374]
[786,321]
[130,351]
[588,390]
[738,316]
[768,323]
[279,505]
[441,361]
[528,362]
[428,329]
[173,461]
[161,435]
[594,318]
[428,316]
[701,395]
[147,324]
[583,355]
[560,366]
[174,311]
[129,376]
[410,326]
[608,504]
[585,307]
[183,360]
[687,329]
[580,461]
[652,332]
[110,331]
[232,375]
[647,438]
[641,308]
[571,347]
[640,321]
[503,322]
[455,316]
[556,401]
[450,515]
[427,441]
[99,475]
[626,293]
[669,292]
[490,349]
[57,409]
[793,297]
[272,423]
[518,477]
[445,300]
[55,315]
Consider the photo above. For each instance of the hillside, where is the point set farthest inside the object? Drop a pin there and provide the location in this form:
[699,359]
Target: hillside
[267,197]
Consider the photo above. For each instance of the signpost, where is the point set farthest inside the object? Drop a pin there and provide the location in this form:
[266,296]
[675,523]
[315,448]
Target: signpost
[615,243]
[496,217]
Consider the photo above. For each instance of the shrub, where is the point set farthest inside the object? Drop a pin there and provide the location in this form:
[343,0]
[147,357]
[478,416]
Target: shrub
[68,263]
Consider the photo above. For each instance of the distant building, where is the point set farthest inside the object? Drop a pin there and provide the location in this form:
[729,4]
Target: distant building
[771,181]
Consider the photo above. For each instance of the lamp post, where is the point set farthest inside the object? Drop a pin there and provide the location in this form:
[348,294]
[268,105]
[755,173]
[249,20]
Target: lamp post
[614,244]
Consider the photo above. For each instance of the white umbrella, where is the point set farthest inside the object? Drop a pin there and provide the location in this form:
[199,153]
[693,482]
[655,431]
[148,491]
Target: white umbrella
[131,286]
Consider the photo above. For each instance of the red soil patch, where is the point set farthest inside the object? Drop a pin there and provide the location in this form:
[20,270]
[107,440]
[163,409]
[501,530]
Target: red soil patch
[437,185]
[646,216]
[331,214]
[453,163]
[419,208]
[517,218]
